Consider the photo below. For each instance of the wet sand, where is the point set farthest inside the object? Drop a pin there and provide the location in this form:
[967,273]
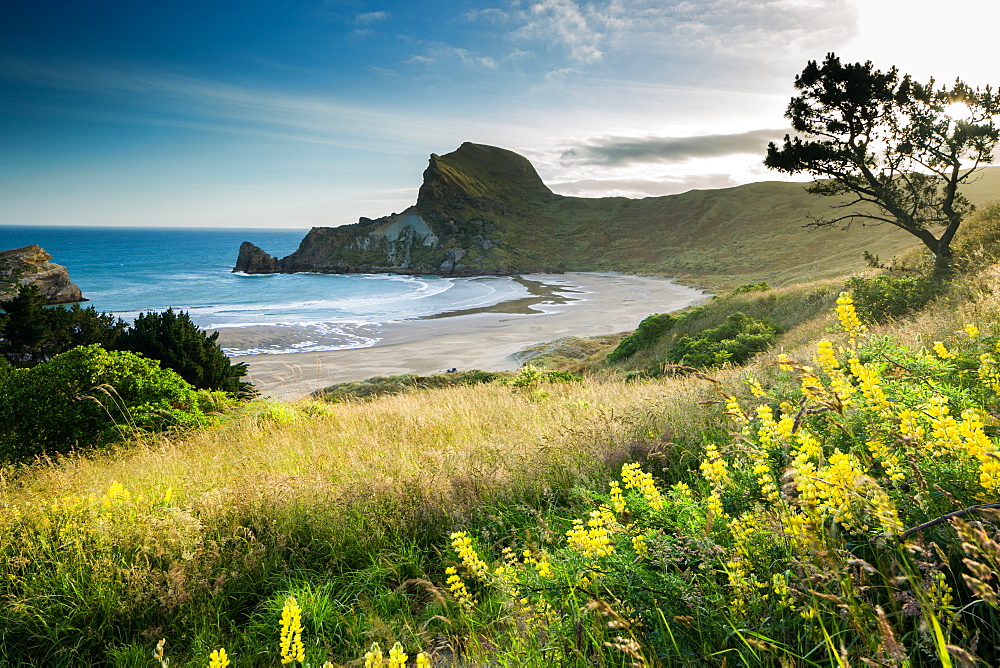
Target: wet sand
[572,304]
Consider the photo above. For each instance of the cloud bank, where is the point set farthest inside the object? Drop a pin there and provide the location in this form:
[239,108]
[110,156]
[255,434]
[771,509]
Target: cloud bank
[624,151]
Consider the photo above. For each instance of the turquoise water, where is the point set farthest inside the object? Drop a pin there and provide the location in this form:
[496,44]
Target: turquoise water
[127,271]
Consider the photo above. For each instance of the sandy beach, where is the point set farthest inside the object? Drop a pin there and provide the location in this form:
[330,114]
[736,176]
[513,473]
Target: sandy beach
[572,304]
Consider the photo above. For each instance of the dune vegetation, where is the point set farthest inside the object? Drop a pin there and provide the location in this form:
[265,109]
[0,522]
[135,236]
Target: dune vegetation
[808,507]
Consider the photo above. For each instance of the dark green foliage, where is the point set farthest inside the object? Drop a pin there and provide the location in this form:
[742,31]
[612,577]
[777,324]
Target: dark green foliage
[735,341]
[751,287]
[180,345]
[86,397]
[649,331]
[31,333]
[890,145]
[884,297]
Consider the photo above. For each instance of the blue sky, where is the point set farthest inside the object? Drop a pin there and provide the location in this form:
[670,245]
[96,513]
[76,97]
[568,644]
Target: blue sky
[300,113]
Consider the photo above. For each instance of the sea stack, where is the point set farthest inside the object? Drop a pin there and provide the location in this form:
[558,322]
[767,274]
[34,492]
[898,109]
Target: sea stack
[30,266]
[253,260]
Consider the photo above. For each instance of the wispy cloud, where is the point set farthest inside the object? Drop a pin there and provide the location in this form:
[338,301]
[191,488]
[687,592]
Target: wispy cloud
[697,36]
[621,151]
[148,96]
[371,17]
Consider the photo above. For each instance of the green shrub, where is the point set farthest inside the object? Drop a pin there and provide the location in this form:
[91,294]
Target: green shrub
[90,397]
[735,341]
[180,345]
[649,332]
[751,287]
[883,297]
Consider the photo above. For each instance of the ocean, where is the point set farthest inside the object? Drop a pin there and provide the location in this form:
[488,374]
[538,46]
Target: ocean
[126,271]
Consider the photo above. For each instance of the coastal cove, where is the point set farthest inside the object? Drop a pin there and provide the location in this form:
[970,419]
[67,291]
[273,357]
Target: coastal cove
[301,332]
[571,304]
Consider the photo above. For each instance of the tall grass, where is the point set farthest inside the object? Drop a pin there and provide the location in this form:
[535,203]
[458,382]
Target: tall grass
[187,539]
[349,508]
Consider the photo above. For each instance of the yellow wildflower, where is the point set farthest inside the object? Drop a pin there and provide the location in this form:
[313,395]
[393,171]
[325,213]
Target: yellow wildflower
[373,657]
[972,331]
[848,316]
[592,542]
[825,357]
[423,661]
[634,478]
[457,587]
[397,657]
[943,352]
[617,500]
[462,545]
[292,648]
[218,658]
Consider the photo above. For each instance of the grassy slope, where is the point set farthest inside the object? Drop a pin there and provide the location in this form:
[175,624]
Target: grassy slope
[341,505]
[720,238]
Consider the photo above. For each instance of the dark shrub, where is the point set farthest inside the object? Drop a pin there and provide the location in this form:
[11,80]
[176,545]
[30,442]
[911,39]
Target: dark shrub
[31,333]
[884,297]
[180,345]
[735,341]
[649,332]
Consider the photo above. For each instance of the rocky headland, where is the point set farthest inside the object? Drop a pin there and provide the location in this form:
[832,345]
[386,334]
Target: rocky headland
[483,210]
[30,266]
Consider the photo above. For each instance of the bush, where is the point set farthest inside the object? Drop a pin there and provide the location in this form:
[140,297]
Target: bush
[649,332]
[751,287]
[883,297]
[180,345]
[735,341]
[90,397]
[31,333]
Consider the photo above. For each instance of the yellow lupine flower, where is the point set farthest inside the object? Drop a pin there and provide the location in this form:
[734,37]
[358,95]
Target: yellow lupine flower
[849,317]
[889,460]
[634,478]
[218,658]
[617,500]
[373,657]
[462,544]
[457,587]
[423,661]
[943,352]
[825,357]
[592,542]
[397,657]
[292,648]
[972,331]
[869,381]
[783,362]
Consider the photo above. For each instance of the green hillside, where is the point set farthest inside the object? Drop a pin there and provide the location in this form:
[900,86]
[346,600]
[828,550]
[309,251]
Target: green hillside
[484,210]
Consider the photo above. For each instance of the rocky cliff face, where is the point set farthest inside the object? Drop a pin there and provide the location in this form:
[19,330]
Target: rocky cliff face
[30,266]
[454,228]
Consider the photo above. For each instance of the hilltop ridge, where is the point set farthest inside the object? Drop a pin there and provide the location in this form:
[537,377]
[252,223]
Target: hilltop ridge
[483,210]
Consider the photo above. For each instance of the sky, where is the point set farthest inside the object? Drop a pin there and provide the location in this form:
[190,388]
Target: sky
[302,113]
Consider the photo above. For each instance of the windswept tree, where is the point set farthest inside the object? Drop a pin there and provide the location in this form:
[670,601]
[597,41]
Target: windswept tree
[898,150]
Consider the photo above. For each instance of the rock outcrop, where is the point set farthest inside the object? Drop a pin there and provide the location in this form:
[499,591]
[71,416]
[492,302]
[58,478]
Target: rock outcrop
[252,260]
[453,229]
[30,266]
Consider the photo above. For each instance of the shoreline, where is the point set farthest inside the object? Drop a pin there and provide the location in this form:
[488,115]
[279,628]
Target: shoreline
[571,304]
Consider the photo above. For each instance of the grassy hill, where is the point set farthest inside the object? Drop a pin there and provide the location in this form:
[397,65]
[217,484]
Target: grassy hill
[488,206]
[765,524]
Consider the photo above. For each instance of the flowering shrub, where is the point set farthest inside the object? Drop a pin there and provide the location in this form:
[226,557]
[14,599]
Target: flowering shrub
[797,536]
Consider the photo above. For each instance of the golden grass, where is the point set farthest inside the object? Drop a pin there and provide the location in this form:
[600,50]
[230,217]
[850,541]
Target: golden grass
[494,440]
